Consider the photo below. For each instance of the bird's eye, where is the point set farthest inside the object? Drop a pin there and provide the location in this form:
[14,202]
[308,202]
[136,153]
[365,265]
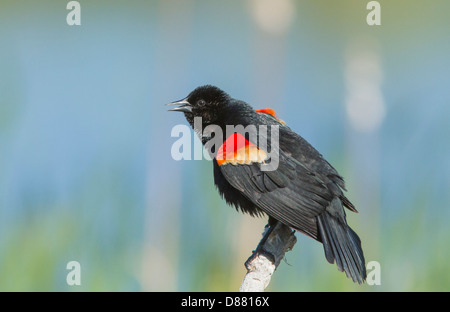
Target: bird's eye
[201,102]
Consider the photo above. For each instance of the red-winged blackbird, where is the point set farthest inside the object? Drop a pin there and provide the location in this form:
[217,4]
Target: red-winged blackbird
[304,192]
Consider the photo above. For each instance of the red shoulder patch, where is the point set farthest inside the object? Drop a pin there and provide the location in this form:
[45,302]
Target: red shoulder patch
[267,111]
[270,112]
[238,150]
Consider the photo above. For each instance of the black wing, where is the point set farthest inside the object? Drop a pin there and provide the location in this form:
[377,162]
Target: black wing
[305,193]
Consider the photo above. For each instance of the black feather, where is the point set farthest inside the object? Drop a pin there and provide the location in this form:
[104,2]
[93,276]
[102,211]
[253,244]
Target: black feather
[305,192]
[341,243]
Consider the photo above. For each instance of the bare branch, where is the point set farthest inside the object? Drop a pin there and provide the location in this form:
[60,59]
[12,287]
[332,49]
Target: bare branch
[261,265]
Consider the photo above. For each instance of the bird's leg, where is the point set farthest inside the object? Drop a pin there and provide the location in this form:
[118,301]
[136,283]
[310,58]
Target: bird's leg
[271,226]
[260,248]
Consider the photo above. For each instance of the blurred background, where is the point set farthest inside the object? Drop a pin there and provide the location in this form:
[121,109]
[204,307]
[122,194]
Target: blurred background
[86,172]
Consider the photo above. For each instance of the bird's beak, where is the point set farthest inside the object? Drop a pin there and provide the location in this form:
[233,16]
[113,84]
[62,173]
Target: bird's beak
[183,106]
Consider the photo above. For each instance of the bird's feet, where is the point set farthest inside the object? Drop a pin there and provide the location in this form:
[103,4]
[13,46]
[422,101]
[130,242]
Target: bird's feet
[259,251]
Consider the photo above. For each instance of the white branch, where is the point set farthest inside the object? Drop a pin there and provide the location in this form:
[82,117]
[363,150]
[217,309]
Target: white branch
[259,266]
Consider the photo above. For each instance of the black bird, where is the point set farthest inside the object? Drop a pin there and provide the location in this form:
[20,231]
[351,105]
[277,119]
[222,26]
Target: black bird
[304,192]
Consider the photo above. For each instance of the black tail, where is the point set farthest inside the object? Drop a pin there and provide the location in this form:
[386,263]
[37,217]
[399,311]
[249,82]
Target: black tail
[342,244]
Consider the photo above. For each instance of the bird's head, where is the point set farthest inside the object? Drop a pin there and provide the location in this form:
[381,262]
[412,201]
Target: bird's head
[206,102]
